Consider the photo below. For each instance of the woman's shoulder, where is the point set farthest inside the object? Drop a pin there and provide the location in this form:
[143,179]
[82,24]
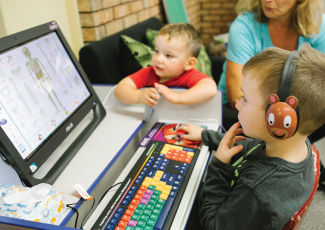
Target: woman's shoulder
[248,18]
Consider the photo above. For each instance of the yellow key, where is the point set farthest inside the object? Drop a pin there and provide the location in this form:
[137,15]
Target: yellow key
[165,191]
[164,152]
[156,178]
[160,188]
[148,179]
[154,183]
[179,148]
[161,183]
[166,148]
[163,196]
[167,145]
[168,187]
[146,183]
[190,154]
[159,173]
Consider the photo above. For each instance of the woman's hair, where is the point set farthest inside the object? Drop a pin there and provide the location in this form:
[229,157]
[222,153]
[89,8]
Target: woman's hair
[308,84]
[306,18]
[188,32]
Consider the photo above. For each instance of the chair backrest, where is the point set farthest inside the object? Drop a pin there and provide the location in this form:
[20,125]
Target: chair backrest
[295,222]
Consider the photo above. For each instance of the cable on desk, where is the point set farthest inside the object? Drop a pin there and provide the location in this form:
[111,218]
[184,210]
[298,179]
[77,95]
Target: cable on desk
[76,211]
[75,224]
[82,222]
[108,190]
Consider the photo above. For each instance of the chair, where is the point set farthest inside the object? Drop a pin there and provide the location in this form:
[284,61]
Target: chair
[295,222]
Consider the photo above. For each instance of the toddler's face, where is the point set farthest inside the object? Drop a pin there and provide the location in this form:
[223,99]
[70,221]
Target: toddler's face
[170,57]
[251,111]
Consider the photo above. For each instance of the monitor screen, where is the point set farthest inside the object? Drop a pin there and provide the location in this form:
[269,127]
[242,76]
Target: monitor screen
[44,95]
[39,89]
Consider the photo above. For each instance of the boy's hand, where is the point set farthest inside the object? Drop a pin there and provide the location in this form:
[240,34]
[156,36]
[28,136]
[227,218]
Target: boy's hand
[226,149]
[146,97]
[169,94]
[194,132]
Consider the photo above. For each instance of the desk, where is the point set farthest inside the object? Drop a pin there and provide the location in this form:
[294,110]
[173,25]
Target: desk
[114,143]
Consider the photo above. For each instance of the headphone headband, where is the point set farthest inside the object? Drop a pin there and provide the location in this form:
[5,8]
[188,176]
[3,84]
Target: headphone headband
[287,75]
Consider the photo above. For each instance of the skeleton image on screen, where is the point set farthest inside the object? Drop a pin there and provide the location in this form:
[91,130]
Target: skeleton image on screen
[31,93]
[47,59]
[21,97]
[33,67]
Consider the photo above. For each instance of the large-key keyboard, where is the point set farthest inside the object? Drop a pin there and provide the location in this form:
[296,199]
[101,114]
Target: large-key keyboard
[149,196]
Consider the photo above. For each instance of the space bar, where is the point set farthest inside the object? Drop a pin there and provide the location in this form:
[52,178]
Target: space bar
[164,213]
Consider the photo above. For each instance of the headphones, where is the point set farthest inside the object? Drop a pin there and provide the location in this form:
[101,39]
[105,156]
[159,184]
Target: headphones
[282,114]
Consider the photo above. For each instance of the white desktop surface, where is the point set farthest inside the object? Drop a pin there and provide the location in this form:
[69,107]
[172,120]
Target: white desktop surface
[110,136]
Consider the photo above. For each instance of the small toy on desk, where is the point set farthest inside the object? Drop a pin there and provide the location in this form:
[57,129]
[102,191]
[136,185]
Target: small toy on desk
[148,109]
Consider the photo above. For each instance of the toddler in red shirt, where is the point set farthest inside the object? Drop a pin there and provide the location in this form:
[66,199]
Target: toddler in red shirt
[177,46]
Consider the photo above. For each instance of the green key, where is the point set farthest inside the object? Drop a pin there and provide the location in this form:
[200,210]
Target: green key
[161,201]
[157,193]
[154,197]
[141,224]
[151,223]
[159,206]
[146,212]
[141,206]
[150,207]
[129,228]
[135,217]
[152,202]
[144,218]
[151,187]
[138,228]
[156,212]
[148,228]
[154,217]
[138,211]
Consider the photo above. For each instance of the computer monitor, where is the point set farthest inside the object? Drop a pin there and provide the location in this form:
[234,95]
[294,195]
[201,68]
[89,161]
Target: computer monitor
[44,94]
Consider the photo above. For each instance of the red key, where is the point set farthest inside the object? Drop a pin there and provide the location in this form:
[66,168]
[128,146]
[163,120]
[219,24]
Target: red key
[122,224]
[132,207]
[129,212]
[144,188]
[140,192]
[168,157]
[182,155]
[119,228]
[126,218]
[184,152]
[174,158]
[137,197]
[181,159]
[135,202]
[187,160]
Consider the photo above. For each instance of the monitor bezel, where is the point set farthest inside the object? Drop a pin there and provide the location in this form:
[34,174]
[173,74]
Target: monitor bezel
[8,150]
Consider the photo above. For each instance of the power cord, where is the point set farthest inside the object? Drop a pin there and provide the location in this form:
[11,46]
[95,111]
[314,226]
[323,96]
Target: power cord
[108,190]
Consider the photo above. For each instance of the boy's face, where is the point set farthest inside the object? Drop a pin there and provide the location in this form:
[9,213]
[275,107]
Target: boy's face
[171,57]
[251,110]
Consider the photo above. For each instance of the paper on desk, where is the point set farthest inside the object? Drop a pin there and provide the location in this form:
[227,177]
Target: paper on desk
[32,195]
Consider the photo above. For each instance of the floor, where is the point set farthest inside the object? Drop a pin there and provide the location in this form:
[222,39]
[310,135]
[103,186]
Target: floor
[315,218]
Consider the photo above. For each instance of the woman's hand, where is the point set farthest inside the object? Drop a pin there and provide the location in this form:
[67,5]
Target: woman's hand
[147,97]
[194,132]
[226,149]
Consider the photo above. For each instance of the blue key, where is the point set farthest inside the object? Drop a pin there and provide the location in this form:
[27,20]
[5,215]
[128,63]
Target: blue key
[161,155]
[133,188]
[182,172]
[155,166]
[148,164]
[131,192]
[152,158]
[172,194]
[157,163]
[162,168]
[159,159]
[188,150]
[177,183]
[171,179]
[152,173]
[145,169]
[166,160]
[179,178]
[127,197]
[109,227]
[140,177]
[113,221]
[177,167]
[125,202]
[117,215]
[164,213]
[137,181]
[142,173]
[164,164]
[120,210]
[183,168]
[174,189]
[165,177]
[185,165]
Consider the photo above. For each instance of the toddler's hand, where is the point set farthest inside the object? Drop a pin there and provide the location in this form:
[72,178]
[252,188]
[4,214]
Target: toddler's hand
[194,132]
[146,97]
[226,149]
[169,94]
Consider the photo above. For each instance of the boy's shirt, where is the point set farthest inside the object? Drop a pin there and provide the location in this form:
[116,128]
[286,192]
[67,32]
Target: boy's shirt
[255,191]
[147,77]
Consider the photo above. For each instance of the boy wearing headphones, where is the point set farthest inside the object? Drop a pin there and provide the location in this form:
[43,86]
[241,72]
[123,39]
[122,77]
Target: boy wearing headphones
[259,182]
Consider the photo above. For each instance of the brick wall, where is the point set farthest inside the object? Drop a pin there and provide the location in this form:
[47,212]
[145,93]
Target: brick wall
[101,18]
[216,16]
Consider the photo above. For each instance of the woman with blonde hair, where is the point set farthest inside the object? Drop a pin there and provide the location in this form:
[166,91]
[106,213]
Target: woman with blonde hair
[261,24]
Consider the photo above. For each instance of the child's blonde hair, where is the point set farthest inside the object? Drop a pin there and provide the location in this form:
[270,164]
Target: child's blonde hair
[308,84]
[188,32]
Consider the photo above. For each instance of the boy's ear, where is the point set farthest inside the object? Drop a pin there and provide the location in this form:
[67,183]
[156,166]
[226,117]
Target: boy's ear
[191,63]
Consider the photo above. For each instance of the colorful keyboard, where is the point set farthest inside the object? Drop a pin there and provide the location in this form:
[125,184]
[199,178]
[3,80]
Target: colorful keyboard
[149,196]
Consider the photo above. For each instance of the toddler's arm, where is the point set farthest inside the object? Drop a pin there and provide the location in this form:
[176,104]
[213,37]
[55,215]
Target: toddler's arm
[203,91]
[126,91]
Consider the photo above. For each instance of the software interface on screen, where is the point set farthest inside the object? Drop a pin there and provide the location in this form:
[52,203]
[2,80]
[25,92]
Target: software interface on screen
[39,89]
